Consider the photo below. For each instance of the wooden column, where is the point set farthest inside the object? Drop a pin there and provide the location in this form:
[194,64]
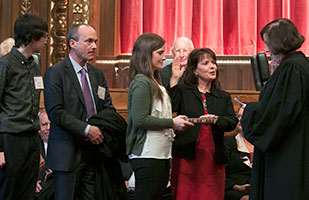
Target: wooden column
[109,25]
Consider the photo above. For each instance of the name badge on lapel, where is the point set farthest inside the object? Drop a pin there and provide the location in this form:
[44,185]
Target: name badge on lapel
[101,92]
[38,82]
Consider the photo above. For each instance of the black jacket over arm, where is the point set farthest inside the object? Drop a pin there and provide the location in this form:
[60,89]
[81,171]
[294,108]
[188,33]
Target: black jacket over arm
[186,100]
[109,179]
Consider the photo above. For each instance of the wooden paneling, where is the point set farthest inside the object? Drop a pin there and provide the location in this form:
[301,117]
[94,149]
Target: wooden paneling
[234,71]
[109,25]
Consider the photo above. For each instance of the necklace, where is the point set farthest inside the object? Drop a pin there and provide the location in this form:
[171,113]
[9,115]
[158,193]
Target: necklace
[204,102]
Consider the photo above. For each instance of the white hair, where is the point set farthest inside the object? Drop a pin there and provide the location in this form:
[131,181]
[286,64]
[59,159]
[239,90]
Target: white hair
[6,46]
[184,39]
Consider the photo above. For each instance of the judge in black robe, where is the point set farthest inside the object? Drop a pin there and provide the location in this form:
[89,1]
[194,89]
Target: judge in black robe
[278,124]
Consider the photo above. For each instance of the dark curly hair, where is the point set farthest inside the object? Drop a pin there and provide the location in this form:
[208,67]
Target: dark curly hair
[28,27]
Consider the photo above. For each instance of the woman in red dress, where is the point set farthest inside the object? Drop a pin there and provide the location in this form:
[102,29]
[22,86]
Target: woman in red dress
[198,152]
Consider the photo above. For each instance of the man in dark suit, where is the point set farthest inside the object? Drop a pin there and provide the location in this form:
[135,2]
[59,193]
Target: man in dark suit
[181,49]
[74,91]
[44,187]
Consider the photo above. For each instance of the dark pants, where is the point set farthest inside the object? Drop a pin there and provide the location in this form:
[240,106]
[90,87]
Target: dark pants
[78,184]
[19,175]
[151,178]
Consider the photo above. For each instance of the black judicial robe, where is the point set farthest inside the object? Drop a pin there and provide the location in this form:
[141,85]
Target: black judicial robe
[278,127]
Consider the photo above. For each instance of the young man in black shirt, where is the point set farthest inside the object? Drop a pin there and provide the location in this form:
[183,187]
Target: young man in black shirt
[20,87]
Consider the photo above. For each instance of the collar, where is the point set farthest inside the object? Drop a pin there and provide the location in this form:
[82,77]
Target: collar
[213,91]
[241,146]
[76,66]
[20,56]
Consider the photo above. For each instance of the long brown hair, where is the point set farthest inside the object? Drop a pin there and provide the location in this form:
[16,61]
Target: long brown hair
[141,59]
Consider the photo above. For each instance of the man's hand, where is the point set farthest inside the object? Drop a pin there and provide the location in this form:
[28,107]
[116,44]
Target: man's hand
[2,159]
[242,188]
[42,163]
[38,186]
[177,72]
[95,135]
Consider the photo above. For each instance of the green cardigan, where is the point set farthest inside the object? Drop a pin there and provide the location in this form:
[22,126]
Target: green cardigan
[140,97]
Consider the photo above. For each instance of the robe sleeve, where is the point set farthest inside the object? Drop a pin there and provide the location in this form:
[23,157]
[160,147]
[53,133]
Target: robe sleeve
[267,123]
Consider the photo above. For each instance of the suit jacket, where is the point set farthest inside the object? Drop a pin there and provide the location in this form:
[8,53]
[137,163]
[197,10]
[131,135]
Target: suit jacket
[66,109]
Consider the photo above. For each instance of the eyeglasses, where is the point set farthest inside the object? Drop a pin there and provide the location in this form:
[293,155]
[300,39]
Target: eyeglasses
[46,37]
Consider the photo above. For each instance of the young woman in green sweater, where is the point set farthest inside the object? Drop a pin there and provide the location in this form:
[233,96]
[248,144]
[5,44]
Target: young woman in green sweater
[150,123]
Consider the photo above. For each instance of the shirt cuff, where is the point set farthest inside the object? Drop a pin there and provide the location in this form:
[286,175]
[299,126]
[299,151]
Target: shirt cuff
[86,131]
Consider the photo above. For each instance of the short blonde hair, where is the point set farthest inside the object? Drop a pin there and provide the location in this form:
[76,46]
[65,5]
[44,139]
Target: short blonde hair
[6,46]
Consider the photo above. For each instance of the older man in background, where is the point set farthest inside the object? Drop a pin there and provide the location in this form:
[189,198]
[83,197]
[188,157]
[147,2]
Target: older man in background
[44,187]
[182,47]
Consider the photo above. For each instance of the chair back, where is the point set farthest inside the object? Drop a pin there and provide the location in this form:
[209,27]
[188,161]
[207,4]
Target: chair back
[260,69]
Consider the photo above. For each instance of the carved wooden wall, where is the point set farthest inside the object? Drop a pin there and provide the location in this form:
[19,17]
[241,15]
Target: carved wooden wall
[104,15]
[234,72]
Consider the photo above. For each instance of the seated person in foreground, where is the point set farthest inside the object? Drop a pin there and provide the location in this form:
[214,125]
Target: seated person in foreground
[238,168]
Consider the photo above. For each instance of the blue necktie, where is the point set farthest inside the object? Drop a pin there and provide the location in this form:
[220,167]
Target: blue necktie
[87,94]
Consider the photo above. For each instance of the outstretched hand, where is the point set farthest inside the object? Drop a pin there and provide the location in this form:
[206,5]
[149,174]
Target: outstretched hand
[180,123]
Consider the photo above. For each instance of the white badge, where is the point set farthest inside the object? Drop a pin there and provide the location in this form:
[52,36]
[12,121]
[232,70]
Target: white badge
[101,92]
[38,83]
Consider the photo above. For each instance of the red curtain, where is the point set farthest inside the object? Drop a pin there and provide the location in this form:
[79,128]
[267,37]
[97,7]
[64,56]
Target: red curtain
[229,27]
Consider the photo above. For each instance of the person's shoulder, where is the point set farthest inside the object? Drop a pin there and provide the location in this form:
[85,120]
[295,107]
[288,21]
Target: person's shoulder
[57,67]
[94,68]
[7,58]
[296,58]
[167,68]
[8,61]
[141,78]
[295,61]
[220,92]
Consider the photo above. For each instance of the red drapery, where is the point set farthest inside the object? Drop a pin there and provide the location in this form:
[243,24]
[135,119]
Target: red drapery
[229,27]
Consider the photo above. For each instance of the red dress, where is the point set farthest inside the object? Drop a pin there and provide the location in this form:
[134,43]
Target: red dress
[200,178]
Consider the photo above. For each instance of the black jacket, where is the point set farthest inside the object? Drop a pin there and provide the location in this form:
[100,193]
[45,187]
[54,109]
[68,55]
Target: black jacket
[109,179]
[187,100]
